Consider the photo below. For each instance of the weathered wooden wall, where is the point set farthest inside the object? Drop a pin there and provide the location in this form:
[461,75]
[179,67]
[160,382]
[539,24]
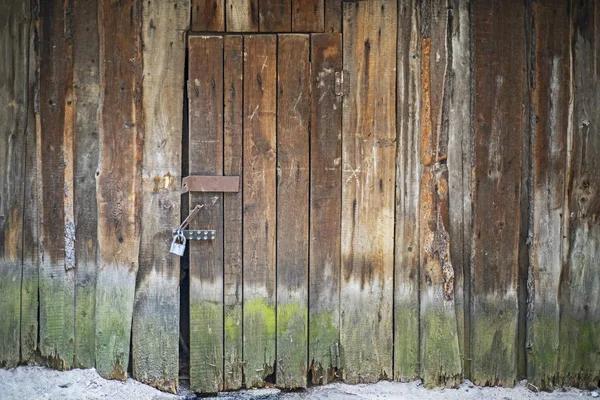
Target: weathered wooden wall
[419,189]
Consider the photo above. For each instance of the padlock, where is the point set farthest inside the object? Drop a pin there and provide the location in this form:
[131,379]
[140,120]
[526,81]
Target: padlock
[178,244]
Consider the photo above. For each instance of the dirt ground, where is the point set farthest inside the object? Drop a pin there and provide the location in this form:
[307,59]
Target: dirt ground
[41,383]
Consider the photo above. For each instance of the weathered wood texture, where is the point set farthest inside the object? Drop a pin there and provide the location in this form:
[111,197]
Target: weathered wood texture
[205,94]
[232,211]
[460,159]
[242,15]
[500,87]
[550,101]
[333,16]
[86,87]
[118,182]
[208,15]
[406,274]
[325,209]
[579,298]
[260,152]
[15,130]
[56,154]
[155,331]
[275,15]
[440,358]
[308,15]
[293,174]
[368,183]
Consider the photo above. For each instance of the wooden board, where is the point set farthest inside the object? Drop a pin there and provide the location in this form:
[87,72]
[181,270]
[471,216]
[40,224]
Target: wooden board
[205,94]
[579,298]
[207,15]
[293,124]
[232,214]
[56,152]
[499,48]
[440,357]
[460,156]
[275,15]
[325,209]
[86,87]
[118,182]
[406,291]
[31,216]
[550,100]
[14,118]
[260,67]
[368,182]
[242,15]
[155,333]
[308,15]
[333,16]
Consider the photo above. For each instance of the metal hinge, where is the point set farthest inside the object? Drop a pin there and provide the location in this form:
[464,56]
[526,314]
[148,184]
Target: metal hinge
[336,354]
[342,83]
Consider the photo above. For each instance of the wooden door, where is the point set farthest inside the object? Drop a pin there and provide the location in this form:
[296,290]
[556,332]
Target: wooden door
[252,102]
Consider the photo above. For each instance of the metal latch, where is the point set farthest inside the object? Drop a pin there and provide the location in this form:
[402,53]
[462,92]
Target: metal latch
[181,236]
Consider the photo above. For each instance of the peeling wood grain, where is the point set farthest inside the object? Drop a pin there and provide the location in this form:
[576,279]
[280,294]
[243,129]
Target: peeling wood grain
[118,181]
[208,15]
[550,100]
[275,15]
[155,333]
[579,291]
[308,15]
[242,15]
[14,130]
[500,66]
[407,270]
[233,207]
[293,124]
[86,87]
[206,257]
[325,209]
[368,177]
[259,186]
[57,277]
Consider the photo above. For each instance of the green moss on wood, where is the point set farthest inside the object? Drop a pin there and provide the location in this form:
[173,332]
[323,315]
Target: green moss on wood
[579,354]
[259,341]
[233,348]
[542,356]
[406,346]
[10,307]
[323,335]
[292,336]
[206,346]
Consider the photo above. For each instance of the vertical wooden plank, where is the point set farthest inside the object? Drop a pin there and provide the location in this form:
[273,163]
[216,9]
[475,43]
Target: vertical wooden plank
[86,80]
[406,323]
[232,214]
[31,216]
[500,66]
[208,15]
[14,91]
[368,156]
[242,15]
[325,209]
[55,150]
[460,158]
[155,333]
[259,185]
[333,16]
[580,282]
[275,15]
[440,357]
[118,182]
[293,124]
[550,99]
[206,257]
[308,15]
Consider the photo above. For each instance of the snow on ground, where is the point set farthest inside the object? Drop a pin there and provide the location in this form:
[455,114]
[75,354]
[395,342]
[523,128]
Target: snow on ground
[33,383]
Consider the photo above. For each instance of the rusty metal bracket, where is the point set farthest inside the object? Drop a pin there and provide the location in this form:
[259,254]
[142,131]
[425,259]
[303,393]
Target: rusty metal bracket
[201,234]
[197,183]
